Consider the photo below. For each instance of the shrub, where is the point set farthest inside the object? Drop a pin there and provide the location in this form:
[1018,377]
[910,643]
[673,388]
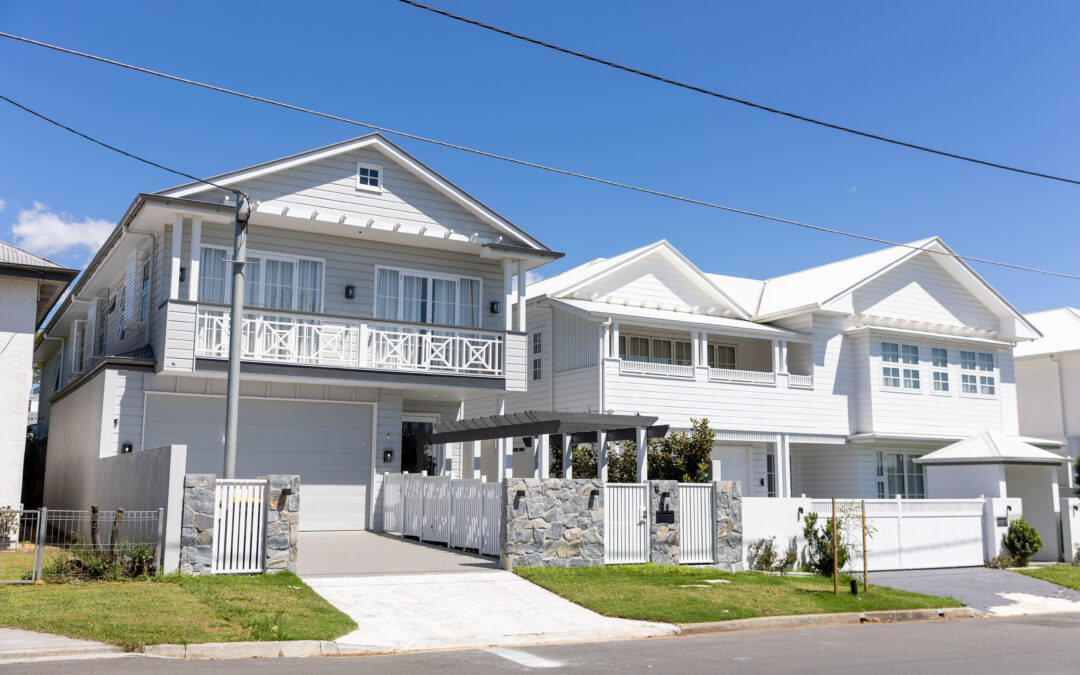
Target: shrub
[1076,555]
[1000,562]
[1022,540]
[762,555]
[819,551]
[678,456]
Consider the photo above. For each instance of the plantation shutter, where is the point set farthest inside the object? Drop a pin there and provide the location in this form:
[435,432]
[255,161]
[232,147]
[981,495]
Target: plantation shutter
[131,288]
[87,350]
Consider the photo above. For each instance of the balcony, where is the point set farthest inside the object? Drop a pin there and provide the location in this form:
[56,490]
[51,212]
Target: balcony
[742,376]
[649,368]
[282,337]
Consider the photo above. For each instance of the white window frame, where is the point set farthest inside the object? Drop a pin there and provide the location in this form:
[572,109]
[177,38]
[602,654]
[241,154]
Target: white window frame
[649,340]
[536,353]
[979,376]
[881,473]
[282,257]
[377,189]
[709,354]
[942,371]
[429,275]
[145,286]
[906,372]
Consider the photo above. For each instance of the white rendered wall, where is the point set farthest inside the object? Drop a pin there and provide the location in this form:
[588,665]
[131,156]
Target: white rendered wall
[1037,487]
[965,481]
[75,443]
[18,304]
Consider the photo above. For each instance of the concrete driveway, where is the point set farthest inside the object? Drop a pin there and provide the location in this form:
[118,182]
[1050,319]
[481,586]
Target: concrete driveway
[406,596]
[996,592]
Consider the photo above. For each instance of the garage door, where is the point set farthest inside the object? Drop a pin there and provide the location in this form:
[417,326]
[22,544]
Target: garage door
[327,444]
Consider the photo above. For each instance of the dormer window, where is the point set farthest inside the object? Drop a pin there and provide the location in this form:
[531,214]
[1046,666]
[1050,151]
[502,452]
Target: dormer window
[369,177]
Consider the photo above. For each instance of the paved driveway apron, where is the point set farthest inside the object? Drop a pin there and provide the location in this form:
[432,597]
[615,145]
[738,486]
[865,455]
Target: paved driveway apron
[996,592]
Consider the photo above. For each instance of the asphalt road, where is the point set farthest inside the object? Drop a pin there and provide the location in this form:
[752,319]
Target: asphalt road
[1037,644]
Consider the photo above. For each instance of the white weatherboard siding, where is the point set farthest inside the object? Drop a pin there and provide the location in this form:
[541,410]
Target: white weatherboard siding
[575,346]
[826,471]
[327,444]
[578,391]
[651,280]
[1040,404]
[127,413]
[18,305]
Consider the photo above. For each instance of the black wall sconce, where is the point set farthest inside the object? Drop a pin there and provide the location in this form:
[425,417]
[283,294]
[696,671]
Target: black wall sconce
[527,441]
[496,306]
[126,448]
[387,456]
[183,274]
[350,292]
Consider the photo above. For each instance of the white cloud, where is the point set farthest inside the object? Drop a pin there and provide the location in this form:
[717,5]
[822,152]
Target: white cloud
[45,232]
[2,204]
[531,277]
[854,189]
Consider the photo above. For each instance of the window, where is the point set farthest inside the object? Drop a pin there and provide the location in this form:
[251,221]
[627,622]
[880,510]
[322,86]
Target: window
[941,381]
[661,351]
[939,357]
[939,363]
[421,297]
[909,354]
[655,350]
[722,356]
[890,377]
[892,352]
[770,474]
[911,378]
[537,355]
[102,327]
[368,177]
[898,474]
[633,348]
[270,281]
[212,275]
[972,381]
[144,293]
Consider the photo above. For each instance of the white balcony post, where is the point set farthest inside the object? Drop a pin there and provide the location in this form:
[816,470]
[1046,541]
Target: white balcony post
[196,256]
[605,340]
[614,351]
[601,456]
[508,292]
[567,456]
[776,356]
[695,349]
[704,355]
[545,456]
[174,269]
[783,356]
[787,466]
[522,325]
[474,460]
[362,349]
[642,442]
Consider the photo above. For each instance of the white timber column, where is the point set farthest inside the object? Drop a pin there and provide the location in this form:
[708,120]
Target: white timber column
[545,456]
[601,456]
[196,256]
[704,356]
[614,352]
[778,455]
[535,447]
[776,356]
[605,340]
[787,466]
[508,292]
[567,456]
[502,470]
[642,441]
[174,269]
[522,325]
[695,349]
[474,460]
[783,357]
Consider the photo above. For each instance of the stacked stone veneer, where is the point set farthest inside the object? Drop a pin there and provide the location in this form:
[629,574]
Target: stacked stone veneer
[554,522]
[197,523]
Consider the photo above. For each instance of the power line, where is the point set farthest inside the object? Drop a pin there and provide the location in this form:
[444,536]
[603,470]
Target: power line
[491,155]
[732,99]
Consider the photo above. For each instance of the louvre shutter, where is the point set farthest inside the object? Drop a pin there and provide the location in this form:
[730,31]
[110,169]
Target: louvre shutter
[78,340]
[131,288]
[89,341]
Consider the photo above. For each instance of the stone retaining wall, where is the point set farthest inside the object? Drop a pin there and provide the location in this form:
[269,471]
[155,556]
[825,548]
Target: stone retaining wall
[728,548]
[197,523]
[282,522]
[553,522]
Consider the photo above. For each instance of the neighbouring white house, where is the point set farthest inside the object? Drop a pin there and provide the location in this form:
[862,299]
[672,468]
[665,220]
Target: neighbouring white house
[29,287]
[377,301]
[825,382]
[1048,385]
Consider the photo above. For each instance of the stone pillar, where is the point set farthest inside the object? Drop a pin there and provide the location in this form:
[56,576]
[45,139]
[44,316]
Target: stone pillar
[664,537]
[553,522]
[728,546]
[197,523]
[282,522]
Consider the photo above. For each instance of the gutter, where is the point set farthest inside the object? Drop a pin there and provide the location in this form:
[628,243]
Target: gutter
[122,361]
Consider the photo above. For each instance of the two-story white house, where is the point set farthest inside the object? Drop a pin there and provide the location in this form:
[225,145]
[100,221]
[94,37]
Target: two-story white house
[1048,385]
[825,382]
[377,300]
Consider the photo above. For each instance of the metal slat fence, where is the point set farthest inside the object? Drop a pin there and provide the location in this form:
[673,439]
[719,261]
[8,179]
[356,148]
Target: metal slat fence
[239,520]
[626,523]
[696,533]
[459,512]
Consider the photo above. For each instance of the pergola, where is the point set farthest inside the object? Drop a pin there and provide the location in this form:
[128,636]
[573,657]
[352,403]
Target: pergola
[539,427]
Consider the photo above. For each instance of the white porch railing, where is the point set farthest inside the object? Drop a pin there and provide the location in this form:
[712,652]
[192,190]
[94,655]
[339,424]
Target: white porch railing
[801,381]
[312,339]
[649,368]
[743,376]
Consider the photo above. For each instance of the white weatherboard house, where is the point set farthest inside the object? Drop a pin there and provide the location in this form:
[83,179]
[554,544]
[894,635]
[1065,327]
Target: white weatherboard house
[1048,382]
[377,302]
[29,287]
[826,382]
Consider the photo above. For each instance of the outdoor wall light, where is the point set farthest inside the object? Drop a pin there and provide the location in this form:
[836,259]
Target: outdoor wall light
[350,292]
[183,274]
[496,306]
[387,456]
[126,448]
[527,441]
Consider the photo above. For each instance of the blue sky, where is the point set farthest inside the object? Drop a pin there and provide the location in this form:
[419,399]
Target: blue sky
[995,80]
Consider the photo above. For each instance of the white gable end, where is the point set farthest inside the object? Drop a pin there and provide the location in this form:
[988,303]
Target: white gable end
[654,280]
[920,289]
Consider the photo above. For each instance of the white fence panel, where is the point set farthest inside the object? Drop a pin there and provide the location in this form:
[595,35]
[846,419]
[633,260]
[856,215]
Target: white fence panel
[239,519]
[491,518]
[412,522]
[1070,527]
[466,513]
[393,502]
[696,530]
[437,509]
[626,523]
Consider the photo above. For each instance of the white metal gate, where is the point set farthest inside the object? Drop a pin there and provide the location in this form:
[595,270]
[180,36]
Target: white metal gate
[696,523]
[239,519]
[466,513]
[393,502]
[412,519]
[460,512]
[436,509]
[492,518]
[626,523]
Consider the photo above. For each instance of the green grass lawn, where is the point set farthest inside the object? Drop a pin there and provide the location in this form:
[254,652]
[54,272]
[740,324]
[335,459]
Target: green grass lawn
[176,609]
[1062,575]
[653,593]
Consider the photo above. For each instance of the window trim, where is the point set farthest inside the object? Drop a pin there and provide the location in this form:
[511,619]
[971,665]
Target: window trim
[271,255]
[902,367]
[431,298]
[649,340]
[377,189]
[708,353]
[945,370]
[978,374]
[536,358]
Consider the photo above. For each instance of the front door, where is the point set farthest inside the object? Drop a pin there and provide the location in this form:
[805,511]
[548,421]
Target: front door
[417,453]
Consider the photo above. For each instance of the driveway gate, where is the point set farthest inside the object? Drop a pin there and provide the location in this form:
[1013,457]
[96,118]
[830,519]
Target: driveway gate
[626,523]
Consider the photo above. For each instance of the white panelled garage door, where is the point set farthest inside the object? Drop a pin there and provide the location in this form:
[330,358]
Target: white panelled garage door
[327,444]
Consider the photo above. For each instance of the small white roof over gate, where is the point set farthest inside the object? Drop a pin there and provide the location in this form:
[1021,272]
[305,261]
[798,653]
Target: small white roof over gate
[990,447]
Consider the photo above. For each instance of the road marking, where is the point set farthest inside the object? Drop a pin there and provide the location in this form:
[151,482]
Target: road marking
[523,658]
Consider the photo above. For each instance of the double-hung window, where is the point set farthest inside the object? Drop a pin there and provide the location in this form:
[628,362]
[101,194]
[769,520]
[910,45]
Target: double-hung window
[537,355]
[894,376]
[977,373]
[422,297]
[939,367]
[909,356]
[722,356]
[890,375]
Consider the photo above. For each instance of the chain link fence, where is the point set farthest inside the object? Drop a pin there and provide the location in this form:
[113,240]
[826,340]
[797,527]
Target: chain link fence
[60,544]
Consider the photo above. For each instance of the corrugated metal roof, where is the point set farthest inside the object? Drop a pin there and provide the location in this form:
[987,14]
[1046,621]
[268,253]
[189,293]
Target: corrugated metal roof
[12,255]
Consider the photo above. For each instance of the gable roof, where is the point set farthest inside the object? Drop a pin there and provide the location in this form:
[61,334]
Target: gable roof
[565,284]
[990,447]
[1061,332]
[371,141]
[13,255]
[52,278]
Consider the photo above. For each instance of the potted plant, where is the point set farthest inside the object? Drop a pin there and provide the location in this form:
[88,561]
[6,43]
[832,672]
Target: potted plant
[9,521]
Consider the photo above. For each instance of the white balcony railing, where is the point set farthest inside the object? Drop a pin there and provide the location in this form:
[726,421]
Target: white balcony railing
[324,341]
[800,381]
[743,376]
[648,368]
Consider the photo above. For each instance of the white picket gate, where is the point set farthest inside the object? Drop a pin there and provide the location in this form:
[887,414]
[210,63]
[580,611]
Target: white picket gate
[239,522]
[626,523]
[393,502]
[696,531]
[436,509]
[491,519]
[466,513]
[412,518]
[462,513]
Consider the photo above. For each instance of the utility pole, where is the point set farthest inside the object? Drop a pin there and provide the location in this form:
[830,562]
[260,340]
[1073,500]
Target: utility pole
[236,332]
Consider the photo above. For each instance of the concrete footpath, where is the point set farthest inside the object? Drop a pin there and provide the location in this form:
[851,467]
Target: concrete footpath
[20,645]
